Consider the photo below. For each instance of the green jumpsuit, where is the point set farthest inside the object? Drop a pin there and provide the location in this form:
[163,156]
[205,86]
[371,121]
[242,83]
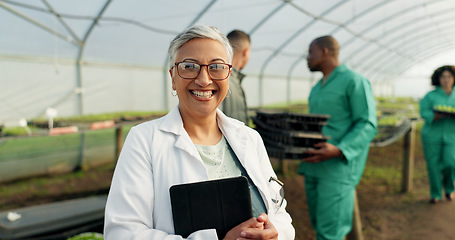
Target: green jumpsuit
[347,97]
[438,140]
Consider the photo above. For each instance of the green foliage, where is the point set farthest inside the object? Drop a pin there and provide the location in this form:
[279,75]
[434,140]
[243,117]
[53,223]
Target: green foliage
[87,236]
[107,116]
[389,120]
[18,131]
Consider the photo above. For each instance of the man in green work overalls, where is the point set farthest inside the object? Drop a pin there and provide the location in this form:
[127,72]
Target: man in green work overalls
[336,166]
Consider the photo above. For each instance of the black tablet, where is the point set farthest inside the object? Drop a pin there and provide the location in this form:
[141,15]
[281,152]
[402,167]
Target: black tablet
[218,204]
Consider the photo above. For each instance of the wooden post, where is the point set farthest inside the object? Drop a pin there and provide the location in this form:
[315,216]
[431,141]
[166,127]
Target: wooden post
[356,231]
[80,164]
[119,142]
[408,155]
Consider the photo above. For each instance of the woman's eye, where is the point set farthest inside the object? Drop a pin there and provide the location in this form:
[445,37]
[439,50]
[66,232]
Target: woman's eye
[188,66]
[216,66]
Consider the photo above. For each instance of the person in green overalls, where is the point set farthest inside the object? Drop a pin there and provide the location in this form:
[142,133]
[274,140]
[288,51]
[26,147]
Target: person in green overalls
[336,166]
[438,133]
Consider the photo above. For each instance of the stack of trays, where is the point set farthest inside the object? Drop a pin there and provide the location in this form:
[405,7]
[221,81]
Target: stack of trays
[289,135]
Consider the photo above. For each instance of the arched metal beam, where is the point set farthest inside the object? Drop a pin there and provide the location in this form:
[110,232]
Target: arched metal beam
[289,40]
[90,18]
[411,44]
[397,65]
[267,17]
[80,54]
[430,51]
[59,18]
[303,56]
[288,78]
[361,14]
[66,38]
[398,29]
[400,40]
[404,67]
[387,19]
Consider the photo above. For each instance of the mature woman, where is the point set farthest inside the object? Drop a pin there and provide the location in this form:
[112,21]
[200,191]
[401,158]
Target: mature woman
[438,134]
[194,142]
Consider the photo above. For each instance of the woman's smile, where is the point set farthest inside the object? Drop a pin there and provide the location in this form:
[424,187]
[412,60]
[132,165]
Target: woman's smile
[203,94]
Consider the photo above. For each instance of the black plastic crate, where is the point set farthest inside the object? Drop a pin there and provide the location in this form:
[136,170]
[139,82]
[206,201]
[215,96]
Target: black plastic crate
[292,139]
[277,150]
[291,124]
[266,116]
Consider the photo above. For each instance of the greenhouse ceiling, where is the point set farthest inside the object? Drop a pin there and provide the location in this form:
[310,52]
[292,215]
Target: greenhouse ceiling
[381,39]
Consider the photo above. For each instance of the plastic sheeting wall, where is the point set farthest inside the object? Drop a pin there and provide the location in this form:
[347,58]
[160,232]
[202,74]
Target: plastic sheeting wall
[30,87]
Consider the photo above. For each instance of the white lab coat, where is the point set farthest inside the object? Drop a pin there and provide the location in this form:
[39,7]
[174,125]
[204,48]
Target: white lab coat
[158,154]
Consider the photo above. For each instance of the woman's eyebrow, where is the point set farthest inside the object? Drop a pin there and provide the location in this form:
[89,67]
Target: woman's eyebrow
[213,60]
[218,59]
[190,59]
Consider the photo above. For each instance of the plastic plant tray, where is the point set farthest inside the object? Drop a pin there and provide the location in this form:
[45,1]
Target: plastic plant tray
[307,140]
[308,117]
[451,114]
[261,126]
[277,150]
[292,124]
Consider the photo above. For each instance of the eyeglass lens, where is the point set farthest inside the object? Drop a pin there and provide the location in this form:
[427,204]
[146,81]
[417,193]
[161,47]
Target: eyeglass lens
[217,71]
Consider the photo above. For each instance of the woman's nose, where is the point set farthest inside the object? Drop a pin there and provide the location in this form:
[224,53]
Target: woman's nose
[204,78]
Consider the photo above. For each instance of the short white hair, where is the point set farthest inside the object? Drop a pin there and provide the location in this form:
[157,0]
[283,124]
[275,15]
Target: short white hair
[198,31]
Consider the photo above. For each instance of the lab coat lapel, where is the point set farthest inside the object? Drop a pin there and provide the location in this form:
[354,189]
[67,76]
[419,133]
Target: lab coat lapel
[239,143]
[236,139]
[175,125]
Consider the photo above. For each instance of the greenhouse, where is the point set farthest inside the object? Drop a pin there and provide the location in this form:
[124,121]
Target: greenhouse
[78,75]
[86,57]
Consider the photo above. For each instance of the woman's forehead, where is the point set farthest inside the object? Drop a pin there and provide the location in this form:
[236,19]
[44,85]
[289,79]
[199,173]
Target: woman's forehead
[202,49]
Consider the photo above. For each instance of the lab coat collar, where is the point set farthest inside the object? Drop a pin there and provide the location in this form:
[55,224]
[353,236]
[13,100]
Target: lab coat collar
[173,123]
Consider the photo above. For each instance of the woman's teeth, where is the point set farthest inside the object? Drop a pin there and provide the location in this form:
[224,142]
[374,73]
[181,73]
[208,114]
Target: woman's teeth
[202,94]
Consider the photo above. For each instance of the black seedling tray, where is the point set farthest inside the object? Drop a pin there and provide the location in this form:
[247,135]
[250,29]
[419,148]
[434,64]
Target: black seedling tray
[451,114]
[304,140]
[277,150]
[291,124]
[280,116]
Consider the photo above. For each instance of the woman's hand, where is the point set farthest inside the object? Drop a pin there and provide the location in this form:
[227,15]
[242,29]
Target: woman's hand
[267,231]
[438,116]
[251,223]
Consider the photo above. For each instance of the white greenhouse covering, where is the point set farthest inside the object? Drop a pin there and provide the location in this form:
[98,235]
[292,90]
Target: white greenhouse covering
[95,56]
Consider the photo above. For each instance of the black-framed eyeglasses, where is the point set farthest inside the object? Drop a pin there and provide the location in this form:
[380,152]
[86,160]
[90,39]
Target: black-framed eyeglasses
[277,191]
[217,71]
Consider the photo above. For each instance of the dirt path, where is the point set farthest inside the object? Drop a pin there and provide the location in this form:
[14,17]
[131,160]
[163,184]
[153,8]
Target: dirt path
[433,222]
[387,214]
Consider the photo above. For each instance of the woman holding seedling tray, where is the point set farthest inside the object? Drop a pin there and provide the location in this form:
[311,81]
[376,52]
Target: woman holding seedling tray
[438,133]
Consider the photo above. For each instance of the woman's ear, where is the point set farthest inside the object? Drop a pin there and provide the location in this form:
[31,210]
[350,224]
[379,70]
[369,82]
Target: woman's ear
[171,72]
